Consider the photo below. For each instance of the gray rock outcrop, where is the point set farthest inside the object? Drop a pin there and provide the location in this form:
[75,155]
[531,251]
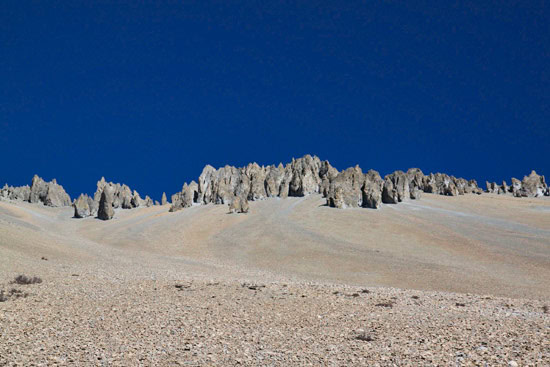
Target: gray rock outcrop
[238,205]
[21,193]
[83,206]
[106,201]
[372,190]
[396,188]
[117,196]
[233,186]
[345,189]
[303,176]
[309,175]
[40,191]
[185,199]
[532,185]
[416,178]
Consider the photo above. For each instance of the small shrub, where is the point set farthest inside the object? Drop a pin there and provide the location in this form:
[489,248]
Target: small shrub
[385,304]
[25,280]
[254,287]
[415,297]
[13,293]
[545,309]
[17,293]
[364,337]
[458,304]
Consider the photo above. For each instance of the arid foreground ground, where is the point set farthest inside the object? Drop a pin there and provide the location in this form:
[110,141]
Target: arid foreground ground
[440,281]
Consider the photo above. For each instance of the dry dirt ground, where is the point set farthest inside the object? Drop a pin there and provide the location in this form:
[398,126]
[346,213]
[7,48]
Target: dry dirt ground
[441,281]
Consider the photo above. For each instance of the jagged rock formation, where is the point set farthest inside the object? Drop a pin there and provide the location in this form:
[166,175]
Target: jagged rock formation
[118,196]
[40,191]
[21,193]
[308,175]
[350,188]
[394,188]
[83,206]
[345,189]
[301,177]
[372,190]
[189,194]
[531,186]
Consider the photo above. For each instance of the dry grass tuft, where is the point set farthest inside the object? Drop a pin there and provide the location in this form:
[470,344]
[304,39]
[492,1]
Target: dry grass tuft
[364,337]
[25,280]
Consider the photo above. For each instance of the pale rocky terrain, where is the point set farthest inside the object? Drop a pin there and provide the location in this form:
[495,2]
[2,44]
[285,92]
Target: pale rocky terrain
[445,280]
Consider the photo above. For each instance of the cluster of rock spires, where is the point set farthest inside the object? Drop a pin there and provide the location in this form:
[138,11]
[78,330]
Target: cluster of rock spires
[40,191]
[304,176]
[235,186]
[109,196]
[308,175]
[531,186]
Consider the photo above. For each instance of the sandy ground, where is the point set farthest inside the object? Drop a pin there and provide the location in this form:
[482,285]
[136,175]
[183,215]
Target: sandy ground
[440,281]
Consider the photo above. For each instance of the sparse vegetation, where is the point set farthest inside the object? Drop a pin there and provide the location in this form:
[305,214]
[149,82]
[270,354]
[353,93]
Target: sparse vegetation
[364,337]
[459,304]
[414,297]
[13,293]
[545,309]
[254,287]
[25,280]
[385,304]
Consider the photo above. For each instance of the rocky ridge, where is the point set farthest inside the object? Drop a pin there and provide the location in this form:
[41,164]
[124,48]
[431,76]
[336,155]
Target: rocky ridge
[233,186]
[308,175]
[48,193]
[533,185]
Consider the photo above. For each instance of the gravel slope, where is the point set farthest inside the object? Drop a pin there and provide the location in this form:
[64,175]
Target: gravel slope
[441,281]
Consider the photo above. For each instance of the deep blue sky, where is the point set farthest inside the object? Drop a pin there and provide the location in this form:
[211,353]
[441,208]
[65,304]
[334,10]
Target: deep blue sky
[148,92]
